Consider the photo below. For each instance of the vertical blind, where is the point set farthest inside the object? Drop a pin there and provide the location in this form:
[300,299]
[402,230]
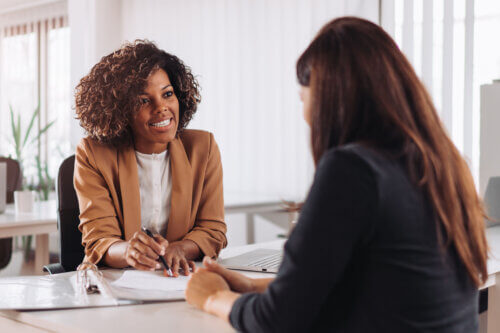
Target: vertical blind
[438,39]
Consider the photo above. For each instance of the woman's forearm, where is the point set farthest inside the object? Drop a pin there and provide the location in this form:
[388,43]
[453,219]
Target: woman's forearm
[260,285]
[115,256]
[221,303]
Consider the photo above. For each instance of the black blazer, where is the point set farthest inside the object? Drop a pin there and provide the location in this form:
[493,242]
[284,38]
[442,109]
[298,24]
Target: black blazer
[364,257]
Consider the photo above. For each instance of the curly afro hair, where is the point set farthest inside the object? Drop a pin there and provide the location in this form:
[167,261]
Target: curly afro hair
[108,97]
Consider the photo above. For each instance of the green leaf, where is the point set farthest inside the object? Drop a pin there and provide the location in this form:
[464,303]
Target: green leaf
[18,138]
[16,128]
[30,126]
[12,123]
[43,130]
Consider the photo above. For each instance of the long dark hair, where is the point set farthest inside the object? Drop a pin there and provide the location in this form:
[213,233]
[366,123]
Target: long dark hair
[363,89]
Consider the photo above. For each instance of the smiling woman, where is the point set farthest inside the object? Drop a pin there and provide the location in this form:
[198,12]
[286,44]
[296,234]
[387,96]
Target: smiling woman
[156,121]
[139,166]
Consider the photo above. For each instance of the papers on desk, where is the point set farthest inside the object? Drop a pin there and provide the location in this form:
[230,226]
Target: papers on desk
[145,286]
[119,287]
[150,281]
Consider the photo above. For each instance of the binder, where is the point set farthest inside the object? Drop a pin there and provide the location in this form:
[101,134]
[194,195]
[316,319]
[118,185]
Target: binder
[87,287]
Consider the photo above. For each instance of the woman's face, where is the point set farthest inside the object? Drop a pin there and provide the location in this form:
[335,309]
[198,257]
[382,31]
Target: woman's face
[156,122]
[305,97]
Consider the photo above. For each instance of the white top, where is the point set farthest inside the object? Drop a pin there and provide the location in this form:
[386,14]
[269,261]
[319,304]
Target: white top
[155,185]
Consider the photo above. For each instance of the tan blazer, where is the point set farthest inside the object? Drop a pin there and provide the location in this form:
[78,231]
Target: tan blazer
[107,185]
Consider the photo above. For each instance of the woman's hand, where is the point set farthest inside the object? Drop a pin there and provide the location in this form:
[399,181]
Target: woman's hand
[177,256]
[209,292]
[142,251]
[236,281]
[202,285]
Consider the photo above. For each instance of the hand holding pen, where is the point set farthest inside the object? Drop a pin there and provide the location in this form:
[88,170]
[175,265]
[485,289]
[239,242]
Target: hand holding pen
[162,260]
[142,251]
[175,258]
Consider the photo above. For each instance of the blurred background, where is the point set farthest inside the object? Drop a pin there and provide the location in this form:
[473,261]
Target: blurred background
[243,53]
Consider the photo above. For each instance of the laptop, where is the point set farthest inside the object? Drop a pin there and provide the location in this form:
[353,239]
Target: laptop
[260,260]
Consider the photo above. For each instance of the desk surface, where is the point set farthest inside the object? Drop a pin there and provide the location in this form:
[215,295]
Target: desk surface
[43,212]
[168,316]
[175,316]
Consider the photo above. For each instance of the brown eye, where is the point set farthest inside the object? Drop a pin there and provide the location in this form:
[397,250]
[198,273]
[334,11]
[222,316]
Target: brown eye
[144,100]
[168,93]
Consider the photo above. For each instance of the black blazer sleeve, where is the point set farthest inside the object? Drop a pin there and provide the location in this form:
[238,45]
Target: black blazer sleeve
[336,219]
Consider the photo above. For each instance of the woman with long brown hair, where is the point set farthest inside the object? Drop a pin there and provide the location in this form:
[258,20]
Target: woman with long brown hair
[391,236]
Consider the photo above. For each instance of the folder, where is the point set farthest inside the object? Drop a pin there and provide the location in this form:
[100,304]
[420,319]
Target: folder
[108,287]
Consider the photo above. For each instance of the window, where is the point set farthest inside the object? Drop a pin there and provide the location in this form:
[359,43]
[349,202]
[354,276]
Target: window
[452,46]
[34,63]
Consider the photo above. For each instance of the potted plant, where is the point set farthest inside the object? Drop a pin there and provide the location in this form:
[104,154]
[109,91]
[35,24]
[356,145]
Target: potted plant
[22,140]
[46,183]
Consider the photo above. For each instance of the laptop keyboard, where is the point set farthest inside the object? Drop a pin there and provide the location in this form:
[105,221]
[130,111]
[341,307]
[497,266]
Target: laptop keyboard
[269,262]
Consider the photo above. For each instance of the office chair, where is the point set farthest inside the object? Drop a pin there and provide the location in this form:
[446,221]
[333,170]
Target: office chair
[71,249]
[14,182]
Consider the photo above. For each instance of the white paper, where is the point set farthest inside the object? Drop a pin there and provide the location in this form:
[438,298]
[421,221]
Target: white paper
[144,280]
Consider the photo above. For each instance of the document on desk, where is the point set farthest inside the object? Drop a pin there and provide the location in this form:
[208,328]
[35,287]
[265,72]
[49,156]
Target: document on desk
[145,285]
[47,292]
[118,287]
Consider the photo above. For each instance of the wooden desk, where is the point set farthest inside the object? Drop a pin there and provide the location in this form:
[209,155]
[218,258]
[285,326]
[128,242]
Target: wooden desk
[164,316]
[40,222]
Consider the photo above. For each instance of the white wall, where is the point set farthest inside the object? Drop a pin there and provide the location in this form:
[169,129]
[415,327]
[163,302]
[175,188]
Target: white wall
[95,31]
[489,162]
[244,54]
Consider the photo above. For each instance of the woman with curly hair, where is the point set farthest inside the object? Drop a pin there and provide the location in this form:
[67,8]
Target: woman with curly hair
[139,166]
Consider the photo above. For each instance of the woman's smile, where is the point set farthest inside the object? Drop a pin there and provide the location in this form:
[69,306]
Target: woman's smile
[162,125]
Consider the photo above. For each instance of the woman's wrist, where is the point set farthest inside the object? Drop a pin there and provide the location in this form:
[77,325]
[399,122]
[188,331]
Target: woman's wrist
[115,255]
[221,303]
[260,285]
[190,249]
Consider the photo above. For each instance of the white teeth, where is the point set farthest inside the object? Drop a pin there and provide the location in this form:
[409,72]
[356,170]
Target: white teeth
[161,123]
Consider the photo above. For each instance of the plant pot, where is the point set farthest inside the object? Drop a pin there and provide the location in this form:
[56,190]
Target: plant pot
[23,201]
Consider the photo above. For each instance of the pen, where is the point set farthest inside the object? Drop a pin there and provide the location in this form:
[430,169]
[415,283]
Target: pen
[169,271]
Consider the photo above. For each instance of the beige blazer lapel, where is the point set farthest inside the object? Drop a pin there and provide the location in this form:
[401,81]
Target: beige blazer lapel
[182,192]
[130,193]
